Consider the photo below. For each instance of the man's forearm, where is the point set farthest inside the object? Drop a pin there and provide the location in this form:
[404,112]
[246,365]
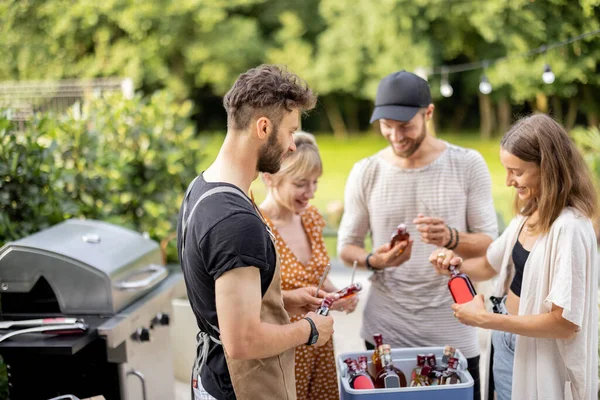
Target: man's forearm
[269,340]
[472,244]
[351,253]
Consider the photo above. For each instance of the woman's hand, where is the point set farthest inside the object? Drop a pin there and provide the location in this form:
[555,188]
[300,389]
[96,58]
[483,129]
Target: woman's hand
[442,258]
[348,304]
[472,313]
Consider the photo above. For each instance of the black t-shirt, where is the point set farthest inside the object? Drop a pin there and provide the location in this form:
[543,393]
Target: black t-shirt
[225,232]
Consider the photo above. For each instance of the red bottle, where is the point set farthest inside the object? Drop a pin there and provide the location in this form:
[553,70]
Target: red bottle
[400,235]
[325,305]
[357,378]
[349,290]
[389,376]
[460,287]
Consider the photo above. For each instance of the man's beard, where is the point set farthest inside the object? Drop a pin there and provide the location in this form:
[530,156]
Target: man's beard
[271,154]
[416,143]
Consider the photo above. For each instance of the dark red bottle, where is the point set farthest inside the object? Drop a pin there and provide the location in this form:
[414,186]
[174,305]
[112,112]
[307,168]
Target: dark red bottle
[389,376]
[349,290]
[400,235]
[450,376]
[460,286]
[358,379]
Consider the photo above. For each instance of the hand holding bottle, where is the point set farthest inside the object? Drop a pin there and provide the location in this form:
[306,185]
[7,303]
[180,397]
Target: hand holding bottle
[386,256]
[442,258]
[324,324]
[472,313]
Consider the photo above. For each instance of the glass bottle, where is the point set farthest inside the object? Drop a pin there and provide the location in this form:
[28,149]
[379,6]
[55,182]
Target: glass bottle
[325,305]
[358,379]
[418,377]
[460,286]
[450,376]
[349,290]
[389,376]
[363,364]
[435,373]
[400,235]
[376,359]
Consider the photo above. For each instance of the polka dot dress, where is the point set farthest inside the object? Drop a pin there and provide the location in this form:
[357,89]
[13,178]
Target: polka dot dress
[316,377]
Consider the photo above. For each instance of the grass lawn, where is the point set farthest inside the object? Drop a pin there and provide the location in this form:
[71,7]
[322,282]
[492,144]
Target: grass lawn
[340,155]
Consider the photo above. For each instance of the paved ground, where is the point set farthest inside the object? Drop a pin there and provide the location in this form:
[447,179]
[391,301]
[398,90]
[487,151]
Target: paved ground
[347,326]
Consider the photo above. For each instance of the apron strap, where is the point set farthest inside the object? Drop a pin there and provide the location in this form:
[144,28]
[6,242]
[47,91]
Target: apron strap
[203,339]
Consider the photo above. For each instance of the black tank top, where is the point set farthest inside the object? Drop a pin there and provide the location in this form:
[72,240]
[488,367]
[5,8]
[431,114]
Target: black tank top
[519,256]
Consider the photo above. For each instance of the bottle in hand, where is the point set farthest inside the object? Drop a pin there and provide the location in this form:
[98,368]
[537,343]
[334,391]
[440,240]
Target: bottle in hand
[460,287]
[389,376]
[357,378]
[400,235]
[349,291]
[325,305]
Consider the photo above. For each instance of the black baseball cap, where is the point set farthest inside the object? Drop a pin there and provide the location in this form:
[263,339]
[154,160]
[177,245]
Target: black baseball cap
[400,96]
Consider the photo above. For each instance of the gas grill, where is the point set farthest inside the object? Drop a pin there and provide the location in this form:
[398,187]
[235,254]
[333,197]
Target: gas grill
[114,280]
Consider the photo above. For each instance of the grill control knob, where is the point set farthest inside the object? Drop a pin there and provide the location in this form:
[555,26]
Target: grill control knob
[141,335]
[163,318]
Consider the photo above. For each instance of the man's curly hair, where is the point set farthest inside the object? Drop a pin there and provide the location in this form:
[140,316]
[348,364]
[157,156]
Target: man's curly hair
[268,91]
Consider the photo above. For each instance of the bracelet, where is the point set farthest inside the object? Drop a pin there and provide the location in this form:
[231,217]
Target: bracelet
[455,245]
[447,245]
[368,264]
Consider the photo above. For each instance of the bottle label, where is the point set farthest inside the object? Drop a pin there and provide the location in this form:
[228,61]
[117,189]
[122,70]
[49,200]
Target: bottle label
[392,381]
[363,382]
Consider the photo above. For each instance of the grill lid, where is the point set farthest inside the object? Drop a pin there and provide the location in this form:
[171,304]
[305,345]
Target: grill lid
[90,267]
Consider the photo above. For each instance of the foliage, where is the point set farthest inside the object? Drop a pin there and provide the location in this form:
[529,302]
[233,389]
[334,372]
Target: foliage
[196,48]
[122,161]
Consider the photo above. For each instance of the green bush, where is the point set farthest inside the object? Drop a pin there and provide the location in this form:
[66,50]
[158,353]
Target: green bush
[123,161]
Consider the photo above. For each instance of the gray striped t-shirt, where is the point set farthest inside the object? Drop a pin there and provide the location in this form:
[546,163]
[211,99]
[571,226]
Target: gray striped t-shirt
[410,305]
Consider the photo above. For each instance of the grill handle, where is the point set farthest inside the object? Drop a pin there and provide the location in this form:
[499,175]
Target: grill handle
[159,272]
[142,380]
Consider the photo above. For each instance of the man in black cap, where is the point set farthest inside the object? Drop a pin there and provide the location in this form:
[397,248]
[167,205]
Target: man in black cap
[442,193]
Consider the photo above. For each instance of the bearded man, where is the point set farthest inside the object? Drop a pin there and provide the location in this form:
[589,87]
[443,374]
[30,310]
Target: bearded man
[442,193]
[246,341]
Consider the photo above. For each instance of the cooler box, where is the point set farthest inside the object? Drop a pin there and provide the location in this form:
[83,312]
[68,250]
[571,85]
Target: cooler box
[406,360]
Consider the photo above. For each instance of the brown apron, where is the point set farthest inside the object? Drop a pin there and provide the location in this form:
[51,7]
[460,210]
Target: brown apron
[268,378]
[273,377]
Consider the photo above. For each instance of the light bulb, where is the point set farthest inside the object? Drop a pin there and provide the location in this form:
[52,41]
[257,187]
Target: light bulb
[446,90]
[421,72]
[485,86]
[548,76]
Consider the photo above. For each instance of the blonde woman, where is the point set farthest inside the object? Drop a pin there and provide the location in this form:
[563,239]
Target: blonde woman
[545,329]
[298,229]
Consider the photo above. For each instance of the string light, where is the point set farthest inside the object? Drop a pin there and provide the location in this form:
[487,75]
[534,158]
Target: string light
[548,76]
[445,89]
[485,86]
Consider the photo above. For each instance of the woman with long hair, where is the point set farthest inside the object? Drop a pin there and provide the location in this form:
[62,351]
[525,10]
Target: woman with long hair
[545,327]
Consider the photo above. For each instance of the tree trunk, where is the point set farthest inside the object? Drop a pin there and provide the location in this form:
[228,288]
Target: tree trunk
[541,102]
[486,115]
[504,115]
[572,113]
[556,108]
[592,119]
[458,117]
[352,114]
[335,117]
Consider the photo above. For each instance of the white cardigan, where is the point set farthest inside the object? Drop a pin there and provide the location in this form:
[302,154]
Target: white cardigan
[562,269]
